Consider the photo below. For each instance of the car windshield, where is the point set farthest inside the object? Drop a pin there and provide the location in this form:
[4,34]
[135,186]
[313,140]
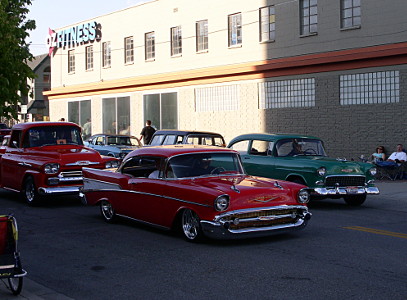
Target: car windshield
[300,146]
[52,135]
[204,164]
[122,140]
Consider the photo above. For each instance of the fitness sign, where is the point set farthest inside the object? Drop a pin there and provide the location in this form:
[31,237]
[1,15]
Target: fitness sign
[73,36]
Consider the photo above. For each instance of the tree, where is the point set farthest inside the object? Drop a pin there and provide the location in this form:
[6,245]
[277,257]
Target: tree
[14,55]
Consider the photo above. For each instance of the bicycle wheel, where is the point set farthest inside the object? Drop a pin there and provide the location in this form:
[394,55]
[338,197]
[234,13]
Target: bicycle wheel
[15,284]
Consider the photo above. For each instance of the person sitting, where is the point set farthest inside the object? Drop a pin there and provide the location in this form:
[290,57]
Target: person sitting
[395,159]
[297,149]
[379,155]
[399,155]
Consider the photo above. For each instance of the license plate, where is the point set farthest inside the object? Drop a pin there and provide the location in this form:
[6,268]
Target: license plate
[352,189]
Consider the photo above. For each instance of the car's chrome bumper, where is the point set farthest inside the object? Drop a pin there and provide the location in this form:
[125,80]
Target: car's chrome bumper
[222,230]
[60,190]
[327,191]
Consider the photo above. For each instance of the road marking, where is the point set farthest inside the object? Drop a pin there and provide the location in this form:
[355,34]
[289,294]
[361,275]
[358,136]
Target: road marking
[378,231]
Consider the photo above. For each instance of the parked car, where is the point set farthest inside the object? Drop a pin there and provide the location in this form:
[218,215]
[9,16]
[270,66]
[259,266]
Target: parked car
[173,137]
[113,145]
[303,159]
[203,191]
[46,158]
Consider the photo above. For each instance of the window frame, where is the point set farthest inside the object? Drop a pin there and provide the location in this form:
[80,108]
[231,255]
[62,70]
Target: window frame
[149,42]
[71,61]
[235,28]
[89,58]
[307,14]
[176,41]
[202,39]
[356,5]
[129,50]
[106,55]
[265,21]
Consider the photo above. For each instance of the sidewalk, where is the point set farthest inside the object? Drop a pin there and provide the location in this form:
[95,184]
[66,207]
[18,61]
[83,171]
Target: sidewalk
[32,291]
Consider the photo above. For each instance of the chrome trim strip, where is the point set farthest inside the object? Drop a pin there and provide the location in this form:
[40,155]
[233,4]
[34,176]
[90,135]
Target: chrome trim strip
[82,163]
[143,193]
[59,190]
[7,267]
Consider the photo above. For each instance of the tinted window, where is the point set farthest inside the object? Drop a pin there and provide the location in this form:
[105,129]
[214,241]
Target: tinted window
[157,140]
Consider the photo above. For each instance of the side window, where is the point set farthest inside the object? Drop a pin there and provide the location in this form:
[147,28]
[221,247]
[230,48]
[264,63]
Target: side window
[141,166]
[180,138]
[15,138]
[157,140]
[99,141]
[241,146]
[193,140]
[262,148]
[169,140]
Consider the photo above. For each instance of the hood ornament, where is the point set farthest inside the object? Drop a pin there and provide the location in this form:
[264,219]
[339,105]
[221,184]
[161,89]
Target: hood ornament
[234,188]
[277,185]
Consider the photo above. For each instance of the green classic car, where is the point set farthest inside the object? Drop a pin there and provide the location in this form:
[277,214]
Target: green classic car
[302,159]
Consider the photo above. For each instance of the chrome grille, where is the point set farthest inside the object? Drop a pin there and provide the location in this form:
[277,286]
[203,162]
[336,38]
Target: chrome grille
[263,218]
[345,181]
[69,174]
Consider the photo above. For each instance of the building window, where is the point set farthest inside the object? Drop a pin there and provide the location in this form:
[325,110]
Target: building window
[71,61]
[201,36]
[218,98]
[79,112]
[107,55]
[287,93]
[235,29]
[128,50]
[149,41]
[370,88]
[350,14]
[89,57]
[176,41]
[161,109]
[46,76]
[267,24]
[116,115]
[309,16]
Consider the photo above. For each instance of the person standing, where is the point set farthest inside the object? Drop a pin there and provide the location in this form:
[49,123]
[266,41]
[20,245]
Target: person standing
[147,133]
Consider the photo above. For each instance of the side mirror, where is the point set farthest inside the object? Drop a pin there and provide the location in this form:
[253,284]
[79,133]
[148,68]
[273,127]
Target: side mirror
[15,145]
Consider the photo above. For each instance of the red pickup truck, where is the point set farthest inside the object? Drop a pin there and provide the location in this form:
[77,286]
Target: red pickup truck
[46,158]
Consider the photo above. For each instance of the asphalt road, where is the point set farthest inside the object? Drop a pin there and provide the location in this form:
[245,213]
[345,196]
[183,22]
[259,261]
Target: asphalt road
[344,253]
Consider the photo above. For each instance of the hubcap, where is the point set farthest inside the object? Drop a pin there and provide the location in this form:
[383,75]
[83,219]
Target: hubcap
[107,210]
[190,224]
[29,192]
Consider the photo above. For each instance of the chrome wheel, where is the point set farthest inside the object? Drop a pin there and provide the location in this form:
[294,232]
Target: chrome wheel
[191,226]
[107,211]
[29,192]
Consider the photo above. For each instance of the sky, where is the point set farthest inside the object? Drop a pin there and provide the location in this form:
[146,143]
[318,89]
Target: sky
[56,14]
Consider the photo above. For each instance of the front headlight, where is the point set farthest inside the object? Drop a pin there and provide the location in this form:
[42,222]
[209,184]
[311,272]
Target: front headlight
[222,203]
[373,171]
[112,164]
[303,196]
[321,171]
[51,168]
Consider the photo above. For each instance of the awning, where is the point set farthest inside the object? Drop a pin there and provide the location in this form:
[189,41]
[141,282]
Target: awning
[36,104]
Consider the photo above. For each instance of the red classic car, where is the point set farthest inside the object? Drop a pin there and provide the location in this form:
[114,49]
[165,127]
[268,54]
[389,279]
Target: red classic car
[46,158]
[202,190]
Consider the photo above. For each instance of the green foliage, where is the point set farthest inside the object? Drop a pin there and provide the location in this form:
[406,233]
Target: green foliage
[14,53]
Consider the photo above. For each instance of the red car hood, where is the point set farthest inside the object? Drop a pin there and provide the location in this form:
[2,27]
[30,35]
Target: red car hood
[248,191]
[67,153]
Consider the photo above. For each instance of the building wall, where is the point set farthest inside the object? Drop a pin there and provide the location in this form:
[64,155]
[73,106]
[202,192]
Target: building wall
[348,130]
